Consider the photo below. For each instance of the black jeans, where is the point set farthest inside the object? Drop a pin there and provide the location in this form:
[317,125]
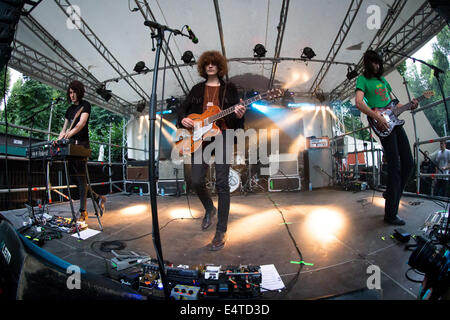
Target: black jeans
[222,169]
[400,165]
[77,170]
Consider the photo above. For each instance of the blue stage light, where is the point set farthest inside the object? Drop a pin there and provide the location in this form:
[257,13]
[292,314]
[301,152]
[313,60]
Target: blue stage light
[260,107]
[165,111]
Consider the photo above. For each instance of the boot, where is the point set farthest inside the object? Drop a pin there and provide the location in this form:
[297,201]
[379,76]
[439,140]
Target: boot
[219,241]
[207,220]
[83,216]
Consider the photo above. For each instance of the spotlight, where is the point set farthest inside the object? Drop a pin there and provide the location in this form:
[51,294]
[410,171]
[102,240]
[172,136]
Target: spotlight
[308,53]
[172,101]
[140,67]
[318,93]
[140,106]
[188,57]
[250,94]
[259,51]
[288,97]
[105,94]
[351,73]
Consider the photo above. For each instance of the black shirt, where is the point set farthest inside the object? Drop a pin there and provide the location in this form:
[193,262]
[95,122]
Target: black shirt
[427,167]
[83,134]
[228,96]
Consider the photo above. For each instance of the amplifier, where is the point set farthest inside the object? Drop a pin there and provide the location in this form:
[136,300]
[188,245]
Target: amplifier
[168,170]
[170,187]
[292,183]
[283,164]
[137,173]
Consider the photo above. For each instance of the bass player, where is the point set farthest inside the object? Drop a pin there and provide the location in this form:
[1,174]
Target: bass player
[372,92]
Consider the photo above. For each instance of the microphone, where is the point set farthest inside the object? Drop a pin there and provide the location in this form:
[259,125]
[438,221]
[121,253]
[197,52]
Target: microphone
[59,99]
[192,35]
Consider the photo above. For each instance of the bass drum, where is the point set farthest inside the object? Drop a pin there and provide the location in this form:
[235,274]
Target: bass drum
[234,180]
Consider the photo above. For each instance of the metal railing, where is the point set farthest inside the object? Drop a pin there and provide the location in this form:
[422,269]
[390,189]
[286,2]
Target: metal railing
[56,189]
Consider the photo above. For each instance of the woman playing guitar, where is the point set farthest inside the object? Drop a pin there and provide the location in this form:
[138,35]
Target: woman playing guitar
[374,92]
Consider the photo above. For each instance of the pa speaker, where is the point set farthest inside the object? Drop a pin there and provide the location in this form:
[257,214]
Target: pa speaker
[10,11]
[442,7]
[12,257]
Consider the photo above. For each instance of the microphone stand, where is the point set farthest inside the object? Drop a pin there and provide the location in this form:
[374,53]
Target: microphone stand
[33,118]
[152,167]
[436,72]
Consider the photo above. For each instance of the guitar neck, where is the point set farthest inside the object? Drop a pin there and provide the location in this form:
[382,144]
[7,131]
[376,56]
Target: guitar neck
[406,106]
[230,110]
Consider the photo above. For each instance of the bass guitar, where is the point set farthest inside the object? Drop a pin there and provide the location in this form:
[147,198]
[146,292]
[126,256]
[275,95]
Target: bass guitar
[391,113]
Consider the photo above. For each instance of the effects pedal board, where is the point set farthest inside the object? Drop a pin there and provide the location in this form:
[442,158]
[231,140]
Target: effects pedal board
[183,292]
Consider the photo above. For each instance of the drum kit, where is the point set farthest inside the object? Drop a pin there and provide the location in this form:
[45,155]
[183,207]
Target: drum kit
[240,178]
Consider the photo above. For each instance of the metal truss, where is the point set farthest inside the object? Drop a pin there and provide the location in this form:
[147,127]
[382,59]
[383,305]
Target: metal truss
[48,40]
[148,15]
[338,41]
[281,27]
[87,32]
[376,42]
[32,63]
[423,24]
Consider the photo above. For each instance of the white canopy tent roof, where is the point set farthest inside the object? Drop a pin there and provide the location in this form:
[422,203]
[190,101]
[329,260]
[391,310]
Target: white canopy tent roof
[100,41]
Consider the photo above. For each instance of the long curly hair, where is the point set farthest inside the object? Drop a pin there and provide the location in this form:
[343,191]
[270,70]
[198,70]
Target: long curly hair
[215,58]
[78,88]
[369,57]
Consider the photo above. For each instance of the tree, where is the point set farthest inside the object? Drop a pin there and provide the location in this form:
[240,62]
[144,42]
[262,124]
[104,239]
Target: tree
[423,79]
[4,82]
[29,96]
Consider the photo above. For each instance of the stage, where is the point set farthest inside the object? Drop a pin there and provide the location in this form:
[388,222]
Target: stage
[340,233]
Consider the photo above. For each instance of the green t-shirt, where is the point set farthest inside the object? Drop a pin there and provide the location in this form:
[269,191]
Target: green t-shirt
[376,92]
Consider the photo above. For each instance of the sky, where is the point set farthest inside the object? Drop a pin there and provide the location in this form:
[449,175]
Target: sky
[425,53]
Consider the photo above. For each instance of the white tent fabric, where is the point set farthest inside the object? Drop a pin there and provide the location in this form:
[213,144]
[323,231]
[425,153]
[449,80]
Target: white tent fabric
[113,28]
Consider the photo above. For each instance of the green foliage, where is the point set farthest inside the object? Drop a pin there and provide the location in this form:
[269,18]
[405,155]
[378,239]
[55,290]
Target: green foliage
[29,96]
[99,131]
[4,85]
[401,68]
[422,79]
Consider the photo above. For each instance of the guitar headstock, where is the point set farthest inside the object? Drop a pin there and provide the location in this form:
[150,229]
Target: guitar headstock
[273,94]
[428,94]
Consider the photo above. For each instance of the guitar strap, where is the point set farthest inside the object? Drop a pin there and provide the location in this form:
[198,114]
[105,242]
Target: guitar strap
[392,91]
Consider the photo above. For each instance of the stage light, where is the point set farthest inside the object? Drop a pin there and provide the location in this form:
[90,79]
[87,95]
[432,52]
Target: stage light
[308,53]
[140,67]
[105,94]
[188,57]
[351,74]
[140,106]
[172,101]
[318,93]
[165,112]
[259,51]
[260,107]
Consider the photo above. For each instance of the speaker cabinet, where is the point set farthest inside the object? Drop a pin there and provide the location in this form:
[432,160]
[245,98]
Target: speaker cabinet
[137,173]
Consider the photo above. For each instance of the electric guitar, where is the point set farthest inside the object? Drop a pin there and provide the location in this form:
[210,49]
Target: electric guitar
[204,124]
[391,113]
